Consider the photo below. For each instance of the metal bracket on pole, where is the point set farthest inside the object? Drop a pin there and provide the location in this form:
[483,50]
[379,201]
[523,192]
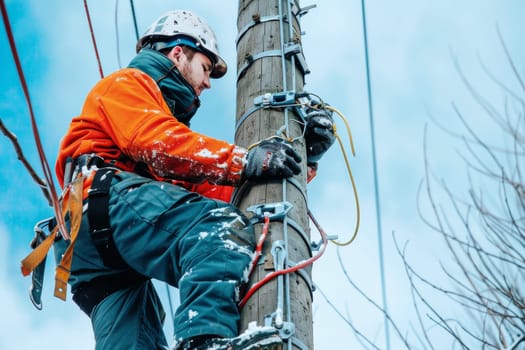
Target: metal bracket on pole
[290,49]
[294,49]
[286,329]
[304,10]
[315,246]
[285,332]
[275,99]
[279,254]
[249,59]
[279,99]
[276,211]
[256,19]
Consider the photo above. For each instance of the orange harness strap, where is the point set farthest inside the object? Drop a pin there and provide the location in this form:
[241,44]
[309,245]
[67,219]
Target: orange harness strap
[33,259]
[75,212]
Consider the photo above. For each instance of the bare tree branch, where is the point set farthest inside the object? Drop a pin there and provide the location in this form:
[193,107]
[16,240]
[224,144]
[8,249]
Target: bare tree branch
[20,155]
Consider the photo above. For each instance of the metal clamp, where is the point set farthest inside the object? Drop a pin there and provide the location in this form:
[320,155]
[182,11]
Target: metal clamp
[290,50]
[276,211]
[256,19]
[279,255]
[275,99]
[304,10]
[315,246]
[295,50]
[42,229]
[252,58]
[286,329]
[285,332]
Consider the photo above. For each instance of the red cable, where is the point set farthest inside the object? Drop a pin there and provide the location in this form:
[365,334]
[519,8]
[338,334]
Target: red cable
[45,165]
[294,268]
[260,243]
[93,39]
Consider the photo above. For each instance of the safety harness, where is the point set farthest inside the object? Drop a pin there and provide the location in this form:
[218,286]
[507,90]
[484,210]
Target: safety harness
[98,217]
[72,206]
[87,295]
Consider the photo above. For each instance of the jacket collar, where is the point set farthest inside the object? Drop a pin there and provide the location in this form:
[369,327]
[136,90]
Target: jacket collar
[178,94]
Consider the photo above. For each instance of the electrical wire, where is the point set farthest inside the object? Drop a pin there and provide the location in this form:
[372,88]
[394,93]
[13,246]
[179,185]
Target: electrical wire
[320,106]
[376,182]
[347,125]
[117,39]
[260,243]
[43,160]
[134,19]
[296,267]
[93,39]
[350,174]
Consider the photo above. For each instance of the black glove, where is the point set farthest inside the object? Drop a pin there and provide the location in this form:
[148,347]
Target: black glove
[271,159]
[319,134]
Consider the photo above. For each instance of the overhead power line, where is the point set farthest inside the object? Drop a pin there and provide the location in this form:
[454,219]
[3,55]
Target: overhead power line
[376,182]
[134,19]
[93,39]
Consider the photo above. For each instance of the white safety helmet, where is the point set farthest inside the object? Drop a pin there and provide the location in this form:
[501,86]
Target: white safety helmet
[181,27]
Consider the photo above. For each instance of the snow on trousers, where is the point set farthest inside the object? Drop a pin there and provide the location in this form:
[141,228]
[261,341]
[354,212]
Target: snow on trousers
[164,232]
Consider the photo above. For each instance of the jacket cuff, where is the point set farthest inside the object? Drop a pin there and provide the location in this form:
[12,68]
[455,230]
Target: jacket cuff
[237,164]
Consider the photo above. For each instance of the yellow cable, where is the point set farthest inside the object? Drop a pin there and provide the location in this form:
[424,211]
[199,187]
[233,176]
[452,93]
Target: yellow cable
[333,109]
[354,187]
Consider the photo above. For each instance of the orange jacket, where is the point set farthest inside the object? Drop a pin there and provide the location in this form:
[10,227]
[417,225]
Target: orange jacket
[125,119]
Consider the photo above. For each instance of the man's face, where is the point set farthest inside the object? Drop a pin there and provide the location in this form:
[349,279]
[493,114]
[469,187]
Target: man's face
[196,70]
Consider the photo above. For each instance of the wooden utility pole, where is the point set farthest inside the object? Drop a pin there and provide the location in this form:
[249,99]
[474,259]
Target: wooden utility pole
[270,60]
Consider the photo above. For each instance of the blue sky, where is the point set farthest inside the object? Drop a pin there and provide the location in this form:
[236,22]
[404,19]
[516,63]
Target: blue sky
[412,46]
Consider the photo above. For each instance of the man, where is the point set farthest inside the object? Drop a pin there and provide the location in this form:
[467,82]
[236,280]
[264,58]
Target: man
[157,196]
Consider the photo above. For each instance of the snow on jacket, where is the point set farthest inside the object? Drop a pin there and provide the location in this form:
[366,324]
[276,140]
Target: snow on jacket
[138,119]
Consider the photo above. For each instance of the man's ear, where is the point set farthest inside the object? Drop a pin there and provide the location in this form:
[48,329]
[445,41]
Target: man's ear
[175,53]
